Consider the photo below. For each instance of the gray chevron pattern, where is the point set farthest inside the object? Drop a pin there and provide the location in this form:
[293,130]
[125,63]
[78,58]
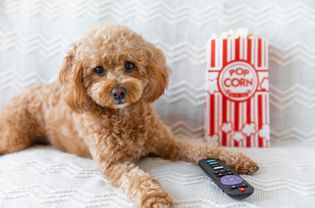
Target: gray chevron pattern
[187,54]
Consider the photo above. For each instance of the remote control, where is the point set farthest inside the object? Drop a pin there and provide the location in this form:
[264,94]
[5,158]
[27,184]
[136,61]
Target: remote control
[226,178]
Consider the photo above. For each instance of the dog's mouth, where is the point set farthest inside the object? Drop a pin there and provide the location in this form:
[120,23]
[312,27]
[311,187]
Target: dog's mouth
[120,102]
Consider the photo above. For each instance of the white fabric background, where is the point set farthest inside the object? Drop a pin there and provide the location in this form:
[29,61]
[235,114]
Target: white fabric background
[35,34]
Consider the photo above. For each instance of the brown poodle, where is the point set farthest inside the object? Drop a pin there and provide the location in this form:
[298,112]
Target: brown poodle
[101,108]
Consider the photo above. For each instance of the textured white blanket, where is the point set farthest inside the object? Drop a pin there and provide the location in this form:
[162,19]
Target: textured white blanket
[43,177]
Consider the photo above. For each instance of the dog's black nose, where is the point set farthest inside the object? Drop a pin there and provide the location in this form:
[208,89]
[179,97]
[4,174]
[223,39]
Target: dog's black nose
[118,93]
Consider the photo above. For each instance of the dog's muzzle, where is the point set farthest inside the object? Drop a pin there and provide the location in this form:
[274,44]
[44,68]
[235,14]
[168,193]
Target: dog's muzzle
[118,94]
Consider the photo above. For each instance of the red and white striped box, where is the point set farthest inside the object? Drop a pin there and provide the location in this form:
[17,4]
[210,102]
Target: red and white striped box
[237,107]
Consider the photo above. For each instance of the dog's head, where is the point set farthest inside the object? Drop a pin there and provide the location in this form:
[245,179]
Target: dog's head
[113,67]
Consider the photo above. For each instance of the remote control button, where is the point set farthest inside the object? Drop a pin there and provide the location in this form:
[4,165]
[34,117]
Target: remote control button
[222,171]
[244,185]
[220,175]
[217,167]
[209,161]
[231,180]
[242,189]
[229,173]
[234,187]
[212,162]
[216,172]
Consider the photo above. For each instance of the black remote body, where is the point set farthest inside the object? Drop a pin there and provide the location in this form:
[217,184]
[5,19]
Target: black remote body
[229,181]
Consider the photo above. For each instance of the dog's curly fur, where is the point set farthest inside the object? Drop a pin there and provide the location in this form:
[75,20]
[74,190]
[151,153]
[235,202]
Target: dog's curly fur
[78,114]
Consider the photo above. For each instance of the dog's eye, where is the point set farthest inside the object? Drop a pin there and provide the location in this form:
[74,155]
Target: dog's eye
[99,70]
[129,66]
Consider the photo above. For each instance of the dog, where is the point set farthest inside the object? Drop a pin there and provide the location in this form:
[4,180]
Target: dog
[102,108]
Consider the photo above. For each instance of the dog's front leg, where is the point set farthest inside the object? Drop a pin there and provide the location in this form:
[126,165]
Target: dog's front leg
[137,184]
[163,144]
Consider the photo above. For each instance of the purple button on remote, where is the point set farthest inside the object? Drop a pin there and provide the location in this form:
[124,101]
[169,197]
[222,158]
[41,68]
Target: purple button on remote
[231,180]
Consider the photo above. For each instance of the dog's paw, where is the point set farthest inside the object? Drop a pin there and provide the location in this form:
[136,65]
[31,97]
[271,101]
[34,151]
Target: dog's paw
[240,163]
[157,200]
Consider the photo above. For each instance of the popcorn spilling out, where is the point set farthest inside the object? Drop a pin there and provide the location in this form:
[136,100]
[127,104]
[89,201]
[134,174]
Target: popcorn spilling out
[237,107]
[239,33]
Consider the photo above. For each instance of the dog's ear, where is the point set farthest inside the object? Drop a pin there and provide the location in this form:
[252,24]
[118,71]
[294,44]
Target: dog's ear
[71,80]
[158,73]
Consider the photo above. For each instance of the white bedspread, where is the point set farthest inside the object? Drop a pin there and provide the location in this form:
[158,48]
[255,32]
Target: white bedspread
[43,177]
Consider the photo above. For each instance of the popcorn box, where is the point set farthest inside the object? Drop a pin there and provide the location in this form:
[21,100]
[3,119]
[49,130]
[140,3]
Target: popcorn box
[237,107]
